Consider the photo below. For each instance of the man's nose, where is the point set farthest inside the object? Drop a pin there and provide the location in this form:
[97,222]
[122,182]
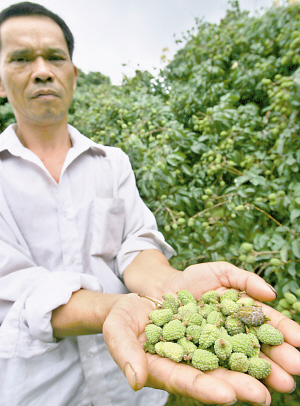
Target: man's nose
[42,71]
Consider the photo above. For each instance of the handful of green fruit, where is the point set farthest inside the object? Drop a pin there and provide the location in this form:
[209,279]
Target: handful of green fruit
[225,330]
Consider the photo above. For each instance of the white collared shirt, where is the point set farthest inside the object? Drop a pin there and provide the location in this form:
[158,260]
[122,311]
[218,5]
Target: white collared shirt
[55,239]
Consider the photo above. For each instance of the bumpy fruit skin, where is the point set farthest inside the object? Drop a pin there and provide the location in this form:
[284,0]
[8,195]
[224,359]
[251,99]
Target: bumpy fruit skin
[268,334]
[251,315]
[173,330]
[205,309]
[170,302]
[242,343]
[161,317]
[148,347]
[223,348]
[238,362]
[190,307]
[153,333]
[193,333]
[229,306]
[185,297]
[188,346]
[189,318]
[204,360]
[234,325]
[245,301]
[209,335]
[246,247]
[259,368]
[210,297]
[173,351]
[216,318]
[230,294]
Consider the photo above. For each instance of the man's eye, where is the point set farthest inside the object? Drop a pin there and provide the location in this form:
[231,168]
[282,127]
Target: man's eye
[55,58]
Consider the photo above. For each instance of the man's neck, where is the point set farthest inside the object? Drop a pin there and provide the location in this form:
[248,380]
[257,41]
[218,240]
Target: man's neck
[50,143]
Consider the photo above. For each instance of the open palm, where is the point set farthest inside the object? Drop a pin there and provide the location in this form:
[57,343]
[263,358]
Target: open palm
[123,333]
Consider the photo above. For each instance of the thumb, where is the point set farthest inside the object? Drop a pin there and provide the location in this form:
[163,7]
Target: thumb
[121,329]
[252,284]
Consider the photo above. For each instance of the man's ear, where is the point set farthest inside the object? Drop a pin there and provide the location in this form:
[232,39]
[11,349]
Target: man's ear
[75,77]
[2,90]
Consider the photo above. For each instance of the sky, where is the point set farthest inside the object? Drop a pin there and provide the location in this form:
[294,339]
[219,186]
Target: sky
[116,37]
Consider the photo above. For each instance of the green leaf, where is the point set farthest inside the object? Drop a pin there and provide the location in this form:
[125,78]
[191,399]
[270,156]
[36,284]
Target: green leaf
[294,215]
[284,252]
[296,248]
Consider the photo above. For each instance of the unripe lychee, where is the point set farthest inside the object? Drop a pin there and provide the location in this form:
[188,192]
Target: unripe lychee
[268,334]
[238,362]
[259,368]
[204,360]
[173,330]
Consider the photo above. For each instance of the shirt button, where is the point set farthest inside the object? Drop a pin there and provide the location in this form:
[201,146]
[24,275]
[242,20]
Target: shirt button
[72,261]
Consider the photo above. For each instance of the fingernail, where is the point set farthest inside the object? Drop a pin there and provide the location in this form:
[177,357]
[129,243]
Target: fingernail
[231,403]
[130,375]
[272,289]
[295,386]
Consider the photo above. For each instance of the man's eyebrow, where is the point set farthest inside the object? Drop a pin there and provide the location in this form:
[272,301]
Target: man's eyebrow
[20,53]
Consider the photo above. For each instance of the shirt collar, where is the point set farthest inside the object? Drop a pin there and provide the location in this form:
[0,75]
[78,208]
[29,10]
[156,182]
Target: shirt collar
[9,141]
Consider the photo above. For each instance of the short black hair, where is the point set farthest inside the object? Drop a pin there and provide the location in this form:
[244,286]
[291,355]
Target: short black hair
[26,8]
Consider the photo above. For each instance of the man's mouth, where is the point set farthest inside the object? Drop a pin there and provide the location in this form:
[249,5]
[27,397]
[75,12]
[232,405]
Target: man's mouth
[44,93]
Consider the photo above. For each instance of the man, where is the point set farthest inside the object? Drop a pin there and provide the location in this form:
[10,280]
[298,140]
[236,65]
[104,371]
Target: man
[75,238]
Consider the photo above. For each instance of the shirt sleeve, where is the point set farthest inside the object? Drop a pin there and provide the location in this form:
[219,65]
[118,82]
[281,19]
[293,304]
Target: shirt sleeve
[29,293]
[140,230]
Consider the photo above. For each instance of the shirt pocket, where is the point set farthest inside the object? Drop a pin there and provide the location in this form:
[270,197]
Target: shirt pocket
[108,226]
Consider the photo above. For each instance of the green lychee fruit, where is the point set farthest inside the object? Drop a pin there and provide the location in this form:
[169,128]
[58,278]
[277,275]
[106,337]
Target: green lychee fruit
[296,306]
[229,306]
[204,360]
[268,334]
[190,307]
[188,346]
[259,368]
[193,333]
[231,294]
[246,247]
[290,298]
[206,309]
[173,351]
[161,317]
[210,297]
[245,301]
[242,343]
[148,347]
[208,336]
[153,333]
[170,302]
[216,318]
[185,297]
[238,362]
[189,318]
[173,330]
[234,325]
[223,348]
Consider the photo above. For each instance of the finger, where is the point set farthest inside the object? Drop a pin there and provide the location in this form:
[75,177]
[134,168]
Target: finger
[278,379]
[184,380]
[289,328]
[247,388]
[237,278]
[120,331]
[286,356]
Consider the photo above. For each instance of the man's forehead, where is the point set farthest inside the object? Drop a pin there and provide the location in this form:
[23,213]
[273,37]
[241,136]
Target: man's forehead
[24,29]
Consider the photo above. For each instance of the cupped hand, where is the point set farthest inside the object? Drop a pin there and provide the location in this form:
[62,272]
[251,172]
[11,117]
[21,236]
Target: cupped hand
[220,276]
[123,333]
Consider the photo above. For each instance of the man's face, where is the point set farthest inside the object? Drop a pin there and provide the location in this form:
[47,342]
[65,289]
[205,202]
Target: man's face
[36,72]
